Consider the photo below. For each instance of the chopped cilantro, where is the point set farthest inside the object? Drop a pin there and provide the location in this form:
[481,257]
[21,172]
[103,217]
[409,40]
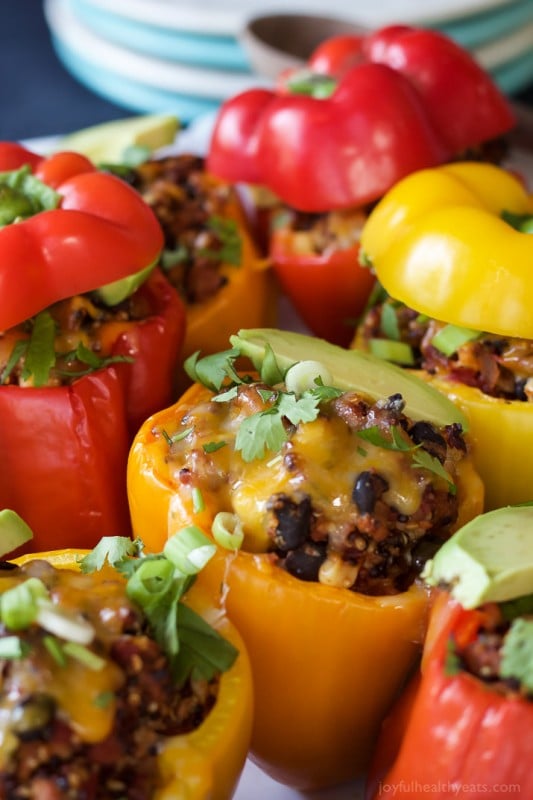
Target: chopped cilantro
[517,653]
[420,457]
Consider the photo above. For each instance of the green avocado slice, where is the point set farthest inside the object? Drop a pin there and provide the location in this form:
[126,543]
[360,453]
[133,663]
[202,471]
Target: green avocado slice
[107,141]
[351,370]
[114,293]
[490,559]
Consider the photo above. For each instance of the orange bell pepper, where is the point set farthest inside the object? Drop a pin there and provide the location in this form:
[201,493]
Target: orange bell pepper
[327,662]
[206,763]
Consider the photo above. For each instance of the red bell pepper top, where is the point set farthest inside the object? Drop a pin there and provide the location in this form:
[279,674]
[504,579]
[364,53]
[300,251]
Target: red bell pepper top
[101,231]
[406,99]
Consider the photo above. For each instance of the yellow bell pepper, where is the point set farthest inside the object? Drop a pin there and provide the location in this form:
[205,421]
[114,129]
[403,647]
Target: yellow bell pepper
[437,242]
[206,763]
[327,662]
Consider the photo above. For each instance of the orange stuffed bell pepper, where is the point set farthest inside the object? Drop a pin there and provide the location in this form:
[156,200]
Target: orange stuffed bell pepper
[337,497]
[209,254]
[142,690]
[469,710]
[451,248]
[90,332]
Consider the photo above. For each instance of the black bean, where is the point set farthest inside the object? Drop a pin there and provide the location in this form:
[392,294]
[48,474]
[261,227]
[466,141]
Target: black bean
[423,432]
[293,521]
[368,488]
[423,551]
[305,563]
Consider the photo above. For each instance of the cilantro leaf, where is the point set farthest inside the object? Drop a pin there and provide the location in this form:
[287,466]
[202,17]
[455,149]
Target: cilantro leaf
[420,457]
[213,370]
[40,355]
[94,362]
[305,409]
[517,653]
[18,352]
[203,651]
[113,549]
[227,232]
[260,431]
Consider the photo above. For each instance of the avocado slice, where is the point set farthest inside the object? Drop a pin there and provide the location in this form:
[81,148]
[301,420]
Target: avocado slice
[108,141]
[351,370]
[114,293]
[490,559]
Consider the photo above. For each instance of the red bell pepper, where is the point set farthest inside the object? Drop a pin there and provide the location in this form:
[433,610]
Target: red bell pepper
[343,151]
[100,232]
[64,446]
[63,454]
[461,738]
[329,289]
[154,344]
[413,99]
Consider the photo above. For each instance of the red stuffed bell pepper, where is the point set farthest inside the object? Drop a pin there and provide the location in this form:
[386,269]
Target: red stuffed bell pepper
[337,137]
[89,337]
[461,728]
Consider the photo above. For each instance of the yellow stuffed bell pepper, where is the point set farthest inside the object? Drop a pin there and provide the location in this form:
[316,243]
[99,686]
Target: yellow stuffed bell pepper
[451,248]
[329,650]
[202,763]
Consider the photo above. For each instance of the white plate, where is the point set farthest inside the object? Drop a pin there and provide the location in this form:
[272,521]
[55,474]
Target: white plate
[227,16]
[170,76]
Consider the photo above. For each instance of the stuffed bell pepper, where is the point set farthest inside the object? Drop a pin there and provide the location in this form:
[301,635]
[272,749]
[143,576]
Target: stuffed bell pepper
[209,255]
[451,248]
[118,679]
[326,144]
[90,332]
[465,725]
[327,480]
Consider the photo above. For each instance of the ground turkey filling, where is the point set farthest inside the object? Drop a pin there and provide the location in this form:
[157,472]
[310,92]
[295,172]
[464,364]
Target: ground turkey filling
[190,206]
[72,732]
[80,319]
[330,506]
[499,366]
[482,656]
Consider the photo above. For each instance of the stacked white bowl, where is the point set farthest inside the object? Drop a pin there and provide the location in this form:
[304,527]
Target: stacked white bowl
[187,56]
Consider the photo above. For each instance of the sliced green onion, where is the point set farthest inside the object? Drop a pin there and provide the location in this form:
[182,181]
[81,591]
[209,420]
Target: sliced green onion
[19,605]
[14,532]
[198,503]
[189,550]
[397,352]
[13,647]
[176,437]
[84,656]
[60,623]
[150,580]
[303,376]
[450,338]
[212,447]
[227,530]
[55,649]
[389,322]
[104,699]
